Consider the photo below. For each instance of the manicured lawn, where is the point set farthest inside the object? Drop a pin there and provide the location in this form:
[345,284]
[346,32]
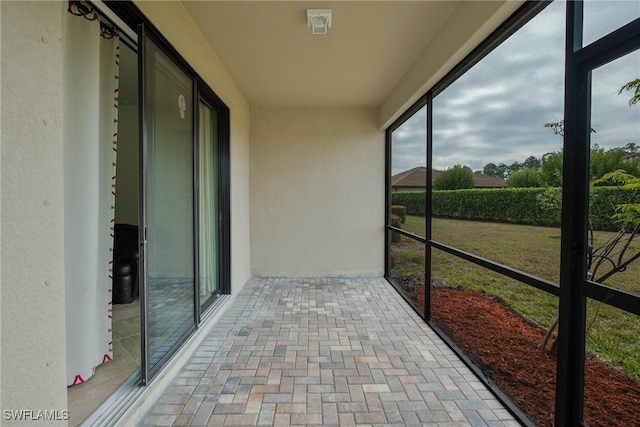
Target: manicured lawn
[613,334]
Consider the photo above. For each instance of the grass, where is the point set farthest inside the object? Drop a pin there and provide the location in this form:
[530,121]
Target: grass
[613,334]
[415,224]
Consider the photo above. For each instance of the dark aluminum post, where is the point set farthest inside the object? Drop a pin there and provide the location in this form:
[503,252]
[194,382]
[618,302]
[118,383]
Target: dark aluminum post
[428,210]
[142,205]
[195,217]
[387,203]
[571,329]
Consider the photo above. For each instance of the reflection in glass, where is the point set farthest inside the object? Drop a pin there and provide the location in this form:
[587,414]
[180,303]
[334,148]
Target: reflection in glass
[602,17]
[409,172]
[407,272]
[500,325]
[615,238]
[169,204]
[491,121]
[208,205]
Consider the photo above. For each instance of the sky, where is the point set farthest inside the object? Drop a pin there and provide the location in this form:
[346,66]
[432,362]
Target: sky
[495,113]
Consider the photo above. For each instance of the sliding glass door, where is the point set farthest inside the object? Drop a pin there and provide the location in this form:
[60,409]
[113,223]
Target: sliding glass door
[168,205]
[184,199]
[208,218]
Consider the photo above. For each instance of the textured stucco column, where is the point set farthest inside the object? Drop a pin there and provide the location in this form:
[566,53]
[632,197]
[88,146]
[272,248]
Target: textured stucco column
[32,305]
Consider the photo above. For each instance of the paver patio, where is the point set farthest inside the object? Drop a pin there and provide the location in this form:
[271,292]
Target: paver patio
[324,352]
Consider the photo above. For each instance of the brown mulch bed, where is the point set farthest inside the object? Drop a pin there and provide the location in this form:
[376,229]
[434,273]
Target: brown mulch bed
[508,349]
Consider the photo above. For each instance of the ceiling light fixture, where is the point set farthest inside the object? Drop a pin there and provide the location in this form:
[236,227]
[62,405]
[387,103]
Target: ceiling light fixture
[319,20]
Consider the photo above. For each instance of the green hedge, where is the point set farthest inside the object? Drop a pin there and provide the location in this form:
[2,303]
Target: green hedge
[413,201]
[400,211]
[514,205]
[533,206]
[603,201]
[396,221]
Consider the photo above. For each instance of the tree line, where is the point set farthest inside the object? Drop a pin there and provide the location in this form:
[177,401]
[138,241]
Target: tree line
[547,170]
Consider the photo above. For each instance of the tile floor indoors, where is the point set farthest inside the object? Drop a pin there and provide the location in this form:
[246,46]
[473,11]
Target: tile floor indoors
[324,352]
[86,397]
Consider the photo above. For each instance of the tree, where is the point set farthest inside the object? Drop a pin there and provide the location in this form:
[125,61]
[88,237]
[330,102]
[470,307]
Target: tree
[525,178]
[532,162]
[513,168]
[491,169]
[603,162]
[455,178]
[631,148]
[499,171]
[551,169]
[558,128]
[617,253]
[504,170]
[634,86]
[627,214]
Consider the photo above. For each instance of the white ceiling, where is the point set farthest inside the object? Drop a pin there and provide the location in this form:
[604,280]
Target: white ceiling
[276,61]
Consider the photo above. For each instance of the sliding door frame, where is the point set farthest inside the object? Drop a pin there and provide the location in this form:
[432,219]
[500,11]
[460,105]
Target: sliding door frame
[145,38]
[137,22]
[205,95]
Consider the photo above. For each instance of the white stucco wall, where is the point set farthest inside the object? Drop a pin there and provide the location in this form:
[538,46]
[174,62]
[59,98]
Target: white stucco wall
[176,25]
[33,320]
[317,192]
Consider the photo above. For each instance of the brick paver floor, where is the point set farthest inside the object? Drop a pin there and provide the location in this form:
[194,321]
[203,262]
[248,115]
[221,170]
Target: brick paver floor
[324,352]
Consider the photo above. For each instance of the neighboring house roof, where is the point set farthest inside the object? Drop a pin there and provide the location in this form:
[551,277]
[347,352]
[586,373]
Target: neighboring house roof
[485,181]
[417,178]
[631,157]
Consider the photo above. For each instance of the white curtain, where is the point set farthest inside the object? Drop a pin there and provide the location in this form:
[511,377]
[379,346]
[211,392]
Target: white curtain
[90,133]
[208,207]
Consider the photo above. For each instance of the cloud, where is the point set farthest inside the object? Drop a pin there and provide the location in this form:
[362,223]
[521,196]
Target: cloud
[616,123]
[602,17]
[409,148]
[495,113]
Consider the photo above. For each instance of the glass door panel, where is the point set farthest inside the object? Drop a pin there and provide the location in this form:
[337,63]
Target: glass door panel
[208,278]
[168,211]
